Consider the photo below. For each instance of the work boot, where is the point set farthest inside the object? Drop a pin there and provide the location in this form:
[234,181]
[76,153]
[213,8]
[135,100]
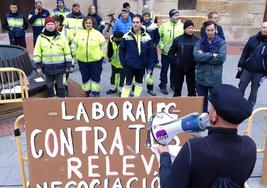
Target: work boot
[164,91]
[151,92]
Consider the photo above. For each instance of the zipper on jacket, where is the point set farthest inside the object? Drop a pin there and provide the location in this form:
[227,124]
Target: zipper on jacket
[263,62]
[173,32]
[87,46]
[136,42]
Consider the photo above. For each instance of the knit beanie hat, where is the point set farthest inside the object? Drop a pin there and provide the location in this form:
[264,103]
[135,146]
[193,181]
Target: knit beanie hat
[146,11]
[49,19]
[173,12]
[188,23]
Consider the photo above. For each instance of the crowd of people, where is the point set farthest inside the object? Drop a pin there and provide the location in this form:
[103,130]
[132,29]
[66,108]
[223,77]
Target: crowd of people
[66,37]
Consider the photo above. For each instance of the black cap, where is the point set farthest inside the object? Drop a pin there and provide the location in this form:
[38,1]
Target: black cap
[125,5]
[230,104]
[173,12]
[188,23]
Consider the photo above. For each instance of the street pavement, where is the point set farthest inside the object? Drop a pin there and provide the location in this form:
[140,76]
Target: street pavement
[9,167]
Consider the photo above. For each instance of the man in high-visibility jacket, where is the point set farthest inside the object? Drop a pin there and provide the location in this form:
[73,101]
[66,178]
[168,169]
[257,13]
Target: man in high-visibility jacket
[89,48]
[52,57]
[136,56]
[117,74]
[152,29]
[37,19]
[168,32]
[61,9]
[16,24]
[74,20]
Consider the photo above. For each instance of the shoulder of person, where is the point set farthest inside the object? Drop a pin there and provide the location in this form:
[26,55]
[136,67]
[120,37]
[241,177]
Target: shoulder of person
[195,38]
[249,142]
[46,11]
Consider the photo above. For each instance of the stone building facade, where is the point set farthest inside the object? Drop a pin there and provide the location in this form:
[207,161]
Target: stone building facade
[239,18]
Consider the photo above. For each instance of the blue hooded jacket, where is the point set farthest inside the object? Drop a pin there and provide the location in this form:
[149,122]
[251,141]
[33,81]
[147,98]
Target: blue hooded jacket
[123,26]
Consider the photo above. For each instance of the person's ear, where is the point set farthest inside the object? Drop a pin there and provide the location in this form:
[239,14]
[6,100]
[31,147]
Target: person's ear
[214,117]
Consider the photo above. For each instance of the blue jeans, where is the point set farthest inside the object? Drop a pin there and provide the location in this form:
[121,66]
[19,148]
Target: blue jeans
[204,91]
[255,79]
[166,63]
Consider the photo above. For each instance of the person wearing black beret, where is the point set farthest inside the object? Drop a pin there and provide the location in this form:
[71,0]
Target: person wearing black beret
[221,159]
[181,52]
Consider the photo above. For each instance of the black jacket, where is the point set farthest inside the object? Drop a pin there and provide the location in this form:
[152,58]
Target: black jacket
[222,153]
[251,58]
[181,51]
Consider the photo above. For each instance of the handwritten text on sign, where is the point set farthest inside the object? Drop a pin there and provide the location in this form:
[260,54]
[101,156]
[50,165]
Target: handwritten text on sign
[95,143]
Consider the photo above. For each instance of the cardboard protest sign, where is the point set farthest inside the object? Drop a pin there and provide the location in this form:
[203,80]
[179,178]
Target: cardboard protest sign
[95,142]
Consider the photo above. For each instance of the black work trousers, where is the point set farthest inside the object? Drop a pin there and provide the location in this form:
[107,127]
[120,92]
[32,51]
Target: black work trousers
[180,74]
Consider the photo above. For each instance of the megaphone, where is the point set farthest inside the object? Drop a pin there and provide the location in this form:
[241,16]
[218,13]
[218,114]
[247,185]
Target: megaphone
[164,128]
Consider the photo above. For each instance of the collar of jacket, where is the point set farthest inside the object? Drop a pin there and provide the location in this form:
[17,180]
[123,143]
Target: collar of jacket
[174,23]
[222,131]
[64,8]
[216,40]
[55,35]
[14,14]
[125,21]
[147,23]
[261,38]
[77,15]
[132,33]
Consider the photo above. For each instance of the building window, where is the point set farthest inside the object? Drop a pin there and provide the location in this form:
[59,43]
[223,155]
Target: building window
[187,4]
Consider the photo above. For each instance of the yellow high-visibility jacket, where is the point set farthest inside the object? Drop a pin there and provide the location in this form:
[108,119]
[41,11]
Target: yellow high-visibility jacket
[52,54]
[88,46]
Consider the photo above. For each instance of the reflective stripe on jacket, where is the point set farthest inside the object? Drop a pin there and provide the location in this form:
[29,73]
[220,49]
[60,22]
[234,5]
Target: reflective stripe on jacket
[52,53]
[168,32]
[74,22]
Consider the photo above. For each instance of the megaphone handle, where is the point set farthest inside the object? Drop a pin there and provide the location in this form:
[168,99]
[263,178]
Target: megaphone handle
[148,139]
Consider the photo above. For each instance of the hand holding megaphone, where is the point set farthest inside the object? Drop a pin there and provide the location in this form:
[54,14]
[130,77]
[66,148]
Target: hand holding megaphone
[164,128]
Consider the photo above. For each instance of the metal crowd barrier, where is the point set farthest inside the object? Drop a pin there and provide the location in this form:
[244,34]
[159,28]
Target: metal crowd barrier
[22,159]
[262,149]
[14,86]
